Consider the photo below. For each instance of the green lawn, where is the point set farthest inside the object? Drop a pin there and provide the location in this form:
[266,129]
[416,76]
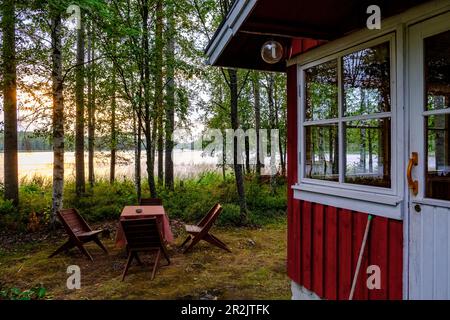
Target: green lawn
[256,269]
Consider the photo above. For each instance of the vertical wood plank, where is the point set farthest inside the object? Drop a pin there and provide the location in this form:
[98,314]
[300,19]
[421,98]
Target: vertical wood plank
[441,254]
[331,245]
[395,260]
[345,253]
[379,255]
[306,245]
[318,248]
[359,227]
[427,250]
[292,205]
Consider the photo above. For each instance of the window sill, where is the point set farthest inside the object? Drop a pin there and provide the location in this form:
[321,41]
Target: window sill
[383,205]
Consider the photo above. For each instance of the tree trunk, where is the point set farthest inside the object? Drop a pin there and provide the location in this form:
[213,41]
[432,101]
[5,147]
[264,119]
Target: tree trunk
[10,102]
[137,124]
[247,154]
[79,123]
[257,98]
[170,98]
[235,125]
[147,112]
[58,117]
[159,87]
[112,171]
[277,124]
[91,106]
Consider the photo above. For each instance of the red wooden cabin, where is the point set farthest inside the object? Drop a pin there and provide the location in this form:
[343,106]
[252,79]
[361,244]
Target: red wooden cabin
[362,104]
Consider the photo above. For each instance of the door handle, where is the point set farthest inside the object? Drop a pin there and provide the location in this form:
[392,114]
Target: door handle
[413,184]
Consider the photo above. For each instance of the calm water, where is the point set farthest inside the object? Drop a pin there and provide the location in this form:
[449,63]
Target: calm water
[187,163]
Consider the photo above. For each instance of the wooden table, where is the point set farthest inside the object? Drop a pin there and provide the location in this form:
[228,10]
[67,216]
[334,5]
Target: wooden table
[129,212]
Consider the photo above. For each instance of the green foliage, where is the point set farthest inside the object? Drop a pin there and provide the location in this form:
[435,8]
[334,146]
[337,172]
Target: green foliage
[189,201]
[35,293]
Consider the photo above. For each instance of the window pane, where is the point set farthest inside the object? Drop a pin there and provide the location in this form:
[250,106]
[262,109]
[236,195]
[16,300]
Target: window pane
[437,71]
[438,157]
[366,81]
[321,91]
[368,152]
[322,150]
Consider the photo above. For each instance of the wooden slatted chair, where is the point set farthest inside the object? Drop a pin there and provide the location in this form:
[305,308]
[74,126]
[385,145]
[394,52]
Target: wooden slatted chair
[78,231]
[143,235]
[150,202]
[201,230]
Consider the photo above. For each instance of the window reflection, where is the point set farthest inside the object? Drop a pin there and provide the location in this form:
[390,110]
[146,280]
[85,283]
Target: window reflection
[367,81]
[321,91]
[437,88]
[322,151]
[368,152]
[437,71]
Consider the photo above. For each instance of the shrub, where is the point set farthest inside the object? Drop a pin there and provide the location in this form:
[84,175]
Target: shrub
[35,293]
[189,201]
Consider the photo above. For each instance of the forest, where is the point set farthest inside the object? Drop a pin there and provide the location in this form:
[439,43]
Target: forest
[114,81]
[124,76]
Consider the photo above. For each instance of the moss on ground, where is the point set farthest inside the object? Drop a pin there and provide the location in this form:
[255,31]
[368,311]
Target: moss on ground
[256,269]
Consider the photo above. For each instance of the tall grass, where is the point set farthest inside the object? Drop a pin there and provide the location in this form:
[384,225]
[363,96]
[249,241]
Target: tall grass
[189,201]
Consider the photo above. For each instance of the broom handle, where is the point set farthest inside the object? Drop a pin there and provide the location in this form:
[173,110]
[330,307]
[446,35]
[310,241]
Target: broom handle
[361,252]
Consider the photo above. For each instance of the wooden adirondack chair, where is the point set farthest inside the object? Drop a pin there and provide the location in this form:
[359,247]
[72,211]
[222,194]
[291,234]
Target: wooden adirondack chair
[143,235]
[201,230]
[78,231]
[150,202]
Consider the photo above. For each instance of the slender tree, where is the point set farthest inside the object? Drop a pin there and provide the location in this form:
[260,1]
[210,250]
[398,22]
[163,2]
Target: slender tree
[234,97]
[58,114]
[257,101]
[79,122]
[149,132]
[170,96]
[113,142]
[10,102]
[159,45]
[91,105]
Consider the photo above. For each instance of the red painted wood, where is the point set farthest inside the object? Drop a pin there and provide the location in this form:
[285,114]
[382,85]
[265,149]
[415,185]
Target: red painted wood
[345,254]
[318,249]
[379,255]
[395,269]
[306,244]
[293,211]
[342,230]
[359,227]
[331,254]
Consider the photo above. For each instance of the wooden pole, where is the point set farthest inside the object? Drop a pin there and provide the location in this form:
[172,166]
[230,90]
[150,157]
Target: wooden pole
[361,252]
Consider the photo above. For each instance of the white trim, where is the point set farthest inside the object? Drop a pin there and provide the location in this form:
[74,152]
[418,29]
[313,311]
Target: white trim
[233,22]
[375,204]
[356,196]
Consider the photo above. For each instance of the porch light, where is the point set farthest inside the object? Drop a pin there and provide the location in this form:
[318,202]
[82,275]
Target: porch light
[271,52]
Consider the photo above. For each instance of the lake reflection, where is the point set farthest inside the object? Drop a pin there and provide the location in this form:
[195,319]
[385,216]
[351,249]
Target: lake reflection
[187,163]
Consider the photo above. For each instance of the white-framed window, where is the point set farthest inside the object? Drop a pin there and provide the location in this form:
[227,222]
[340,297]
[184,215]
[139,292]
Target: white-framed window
[348,128]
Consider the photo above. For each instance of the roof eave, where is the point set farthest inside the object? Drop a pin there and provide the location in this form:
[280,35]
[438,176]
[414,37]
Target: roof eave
[230,27]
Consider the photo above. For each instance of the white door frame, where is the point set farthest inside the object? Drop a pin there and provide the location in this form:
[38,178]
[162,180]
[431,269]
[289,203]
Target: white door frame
[416,138]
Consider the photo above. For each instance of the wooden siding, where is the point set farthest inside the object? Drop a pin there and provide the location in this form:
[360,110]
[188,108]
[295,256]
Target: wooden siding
[329,240]
[324,241]
[430,253]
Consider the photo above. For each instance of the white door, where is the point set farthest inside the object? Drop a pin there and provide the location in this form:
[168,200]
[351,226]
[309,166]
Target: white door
[429,165]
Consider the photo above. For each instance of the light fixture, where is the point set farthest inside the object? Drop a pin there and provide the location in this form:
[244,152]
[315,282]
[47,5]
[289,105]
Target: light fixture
[271,51]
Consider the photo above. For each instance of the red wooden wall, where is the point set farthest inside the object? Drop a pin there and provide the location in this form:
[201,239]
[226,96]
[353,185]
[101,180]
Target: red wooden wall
[324,241]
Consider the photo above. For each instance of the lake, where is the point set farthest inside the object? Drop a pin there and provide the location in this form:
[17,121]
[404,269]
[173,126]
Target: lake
[187,163]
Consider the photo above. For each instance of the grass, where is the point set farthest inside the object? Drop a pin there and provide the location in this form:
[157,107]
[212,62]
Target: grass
[256,269]
[188,202]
